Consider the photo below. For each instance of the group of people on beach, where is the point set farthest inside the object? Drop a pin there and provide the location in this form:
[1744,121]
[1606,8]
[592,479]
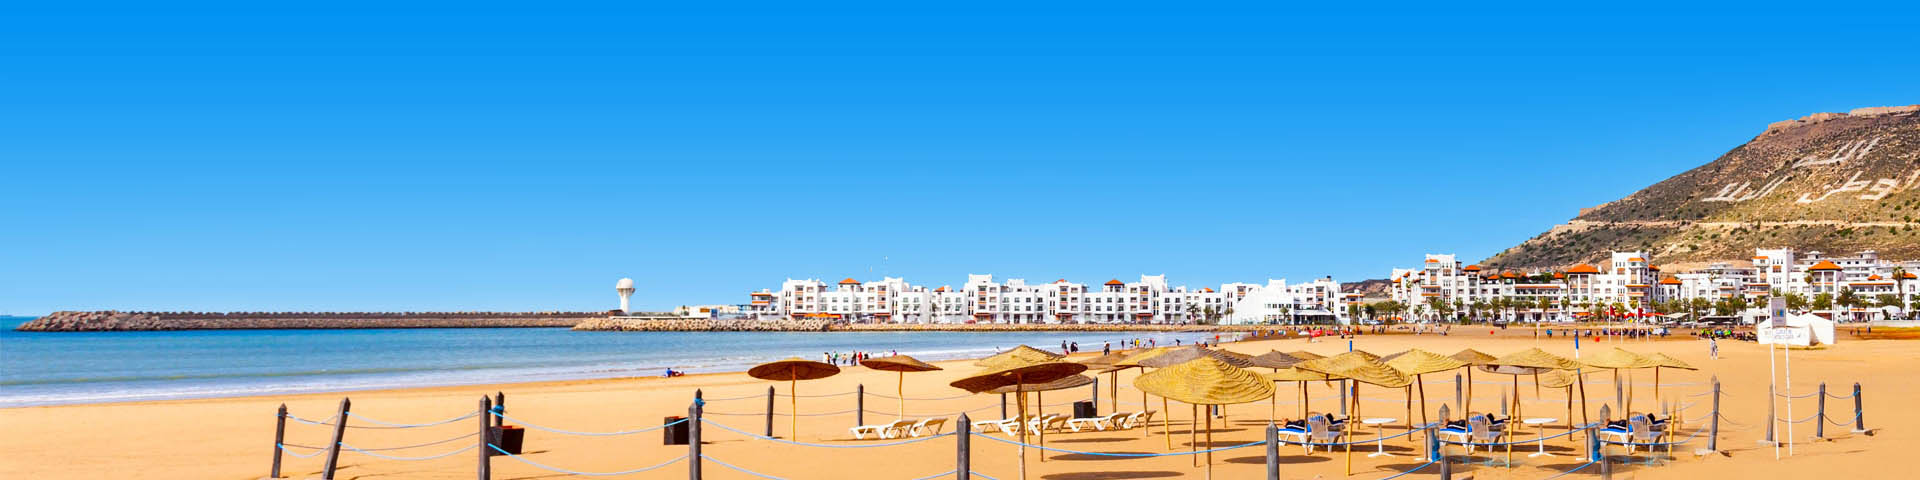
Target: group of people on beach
[850,358]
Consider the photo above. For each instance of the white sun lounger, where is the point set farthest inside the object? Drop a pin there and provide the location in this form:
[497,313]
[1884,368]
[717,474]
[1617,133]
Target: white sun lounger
[883,430]
[1102,422]
[926,426]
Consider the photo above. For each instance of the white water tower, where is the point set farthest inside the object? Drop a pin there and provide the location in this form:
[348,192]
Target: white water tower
[625,287]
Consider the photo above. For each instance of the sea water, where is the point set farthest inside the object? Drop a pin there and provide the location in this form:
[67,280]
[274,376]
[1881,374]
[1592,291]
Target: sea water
[39,368]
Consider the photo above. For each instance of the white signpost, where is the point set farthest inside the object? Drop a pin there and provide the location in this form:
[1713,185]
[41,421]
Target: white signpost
[1780,331]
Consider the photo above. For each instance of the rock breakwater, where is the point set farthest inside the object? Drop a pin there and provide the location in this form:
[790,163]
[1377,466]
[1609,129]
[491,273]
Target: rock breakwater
[117,321]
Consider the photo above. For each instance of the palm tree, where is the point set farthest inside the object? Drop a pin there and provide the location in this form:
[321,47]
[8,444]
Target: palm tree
[1193,311]
[1900,289]
[1544,304]
[1823,301]
[1847,299]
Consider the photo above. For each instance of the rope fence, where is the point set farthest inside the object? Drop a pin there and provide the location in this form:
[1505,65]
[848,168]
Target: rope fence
[492,422]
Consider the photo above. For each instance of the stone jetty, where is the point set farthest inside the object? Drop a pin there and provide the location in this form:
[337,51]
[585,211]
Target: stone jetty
[117,321]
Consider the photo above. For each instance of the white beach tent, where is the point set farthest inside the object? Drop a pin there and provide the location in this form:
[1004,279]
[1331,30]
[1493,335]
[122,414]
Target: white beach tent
[1804,330]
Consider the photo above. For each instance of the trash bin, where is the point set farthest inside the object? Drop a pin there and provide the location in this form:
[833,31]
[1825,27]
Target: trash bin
[1084,409]
[677,433]
[507,437]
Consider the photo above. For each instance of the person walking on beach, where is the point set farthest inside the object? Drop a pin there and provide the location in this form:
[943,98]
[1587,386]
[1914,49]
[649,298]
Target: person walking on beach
[1106,349]
[1713,348]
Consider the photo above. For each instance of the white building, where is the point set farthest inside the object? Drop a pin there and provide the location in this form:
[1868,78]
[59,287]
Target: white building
[983,299]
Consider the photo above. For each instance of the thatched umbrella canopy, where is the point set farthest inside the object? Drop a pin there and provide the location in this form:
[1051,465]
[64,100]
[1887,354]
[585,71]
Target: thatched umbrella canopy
[1418,363]
[1663,361]
[1617,359]
[1276,360]
[1137,360]
[1023,352]
[793,370]
[1180,355]
[1108,364]
[899,364]
[1362,367]
[1061,384]
[1018,373]
[1539,361]
[1206,380]
[1474,358]
[1306,355]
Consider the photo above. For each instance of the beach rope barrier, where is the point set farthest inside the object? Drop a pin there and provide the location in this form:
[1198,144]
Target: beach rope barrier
[327,422]
[405,459]
[1570,471]
[1803,420]
[1795,397]
[925,415]
[981,475]
[1696,434]
[1840,396]
[738,469]
[742,397]
[316,450]
[821,445]
[543,428]
[428,444]
[384,425]
[1126,455]
[551,468]
[938,475]
[1410,470]
[890,397]
[1516,441]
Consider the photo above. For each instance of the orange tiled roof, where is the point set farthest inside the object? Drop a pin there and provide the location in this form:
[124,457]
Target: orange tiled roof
[849,280]
[1909,276]
[1115,282]
[1873,277]
[1584,268]
[1669,281]
[1559,275]
[1824,265]
[1636,259]
[1472,268]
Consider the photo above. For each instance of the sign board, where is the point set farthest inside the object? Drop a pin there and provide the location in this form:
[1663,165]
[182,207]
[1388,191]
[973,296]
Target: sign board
[1777,311]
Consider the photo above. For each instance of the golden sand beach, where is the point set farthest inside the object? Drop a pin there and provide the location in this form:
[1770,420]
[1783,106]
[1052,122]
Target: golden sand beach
[232,438]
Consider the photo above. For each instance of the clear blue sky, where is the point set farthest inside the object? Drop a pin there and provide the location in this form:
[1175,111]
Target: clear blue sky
[501,156]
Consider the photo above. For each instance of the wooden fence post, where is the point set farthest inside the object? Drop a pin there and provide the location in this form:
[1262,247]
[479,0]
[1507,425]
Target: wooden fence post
[859,404]
[1599,453]
[963,444]
[693,440]
[1713,429]
[1820,427]
[339,434]
[1095,396]
[1771,419]
[1859,415]
[1003,405]
[499,401]
[279,438]
[485,468]
[769,411]
[1436,449]
[1459,394]
[1273,451]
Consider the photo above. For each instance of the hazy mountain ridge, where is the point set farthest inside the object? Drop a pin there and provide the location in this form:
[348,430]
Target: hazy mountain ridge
[1835,182]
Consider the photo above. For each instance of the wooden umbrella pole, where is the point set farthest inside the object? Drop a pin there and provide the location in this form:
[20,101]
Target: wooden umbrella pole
[1209,447]
[1423,398]
[900,391]
[1166,425]
[1468,408]
[793,406]
[1146,426]
[1040,412]
[1354,390]
[1409,389]
[1569,411]
[1113,390]
[1193,432]
[1583,396]
[1020,397]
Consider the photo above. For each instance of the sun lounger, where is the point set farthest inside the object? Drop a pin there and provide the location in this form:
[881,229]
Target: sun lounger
[926,426]
[1051,421]
[1102,422]
[1638,429]
[1474,429]
[1315,429]
[1137,420]
[883,430]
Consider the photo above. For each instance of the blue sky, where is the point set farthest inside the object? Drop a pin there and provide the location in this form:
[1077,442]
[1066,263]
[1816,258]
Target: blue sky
[503,156]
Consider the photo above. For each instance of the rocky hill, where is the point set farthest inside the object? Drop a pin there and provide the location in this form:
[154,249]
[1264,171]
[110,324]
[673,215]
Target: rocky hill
[1835,182]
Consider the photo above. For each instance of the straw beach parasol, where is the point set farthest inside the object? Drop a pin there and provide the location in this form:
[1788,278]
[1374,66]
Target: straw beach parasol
[1361,367]
[1019,373]
[1206,380]
[1617,359]
[1138,360]
[1023,353]
[1276,360]
[1106,364]
[793,370]
[1474,358]
[1540,359]
[900,364]
[1417,362]
[1661,360]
